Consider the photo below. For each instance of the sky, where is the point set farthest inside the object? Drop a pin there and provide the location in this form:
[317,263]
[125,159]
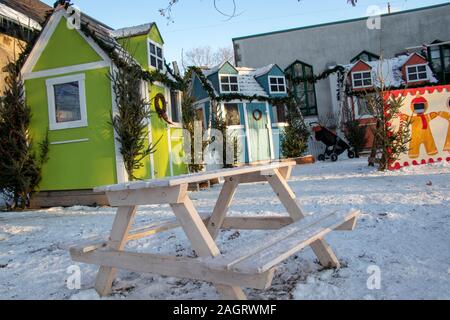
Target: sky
[197,23]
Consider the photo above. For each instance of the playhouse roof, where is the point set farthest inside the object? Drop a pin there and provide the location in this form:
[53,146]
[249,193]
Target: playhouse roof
[31,9]
[248,85]
[132,31]
[18,17]
[389,70]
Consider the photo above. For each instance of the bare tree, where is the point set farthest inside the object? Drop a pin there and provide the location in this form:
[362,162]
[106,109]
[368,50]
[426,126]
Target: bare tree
[167,11]
[207,57]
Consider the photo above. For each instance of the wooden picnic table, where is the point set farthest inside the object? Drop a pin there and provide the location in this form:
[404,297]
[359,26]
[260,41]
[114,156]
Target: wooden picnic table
[252,266]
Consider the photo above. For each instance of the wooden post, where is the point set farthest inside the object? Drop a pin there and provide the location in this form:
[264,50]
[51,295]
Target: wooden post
[285,194]
[118,239]
[325,254]
[222,206]
[202,242]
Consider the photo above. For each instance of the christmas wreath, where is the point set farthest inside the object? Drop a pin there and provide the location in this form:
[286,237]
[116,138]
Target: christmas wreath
[257,115]
[161,107]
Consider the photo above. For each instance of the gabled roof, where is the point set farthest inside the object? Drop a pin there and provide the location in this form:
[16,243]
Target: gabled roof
[139,30]
[34,9]
[390,71]
[357,57]
[248,85]
[361,61]
[18,18]
[295,62]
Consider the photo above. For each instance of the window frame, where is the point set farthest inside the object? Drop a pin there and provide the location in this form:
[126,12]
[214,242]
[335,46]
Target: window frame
[416,66]
[232,126]
[179,93]
[278,85]
[363,86]
[310,109]
[50,83]
[229,76]
[150,55]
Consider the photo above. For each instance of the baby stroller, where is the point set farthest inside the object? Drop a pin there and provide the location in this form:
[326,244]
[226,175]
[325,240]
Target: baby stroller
[335,145]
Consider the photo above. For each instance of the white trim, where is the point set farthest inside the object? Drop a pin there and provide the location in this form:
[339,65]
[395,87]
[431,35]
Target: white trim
[362,79]
[41,44]
[53,125]
[278,85]
[180,97]
[280,125]
[228,75]
[66,70]
[69,141]
[146,96]
[247,134]
[417,72]
[202,100]
[169,139]
[121,172]
[149,55]
[269,127]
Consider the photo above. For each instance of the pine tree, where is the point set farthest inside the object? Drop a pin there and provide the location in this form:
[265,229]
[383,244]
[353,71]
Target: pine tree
[296,134]
[389,142]
[131,121]
[20,167]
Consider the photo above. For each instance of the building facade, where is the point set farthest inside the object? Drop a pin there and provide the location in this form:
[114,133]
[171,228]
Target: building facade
[313,49]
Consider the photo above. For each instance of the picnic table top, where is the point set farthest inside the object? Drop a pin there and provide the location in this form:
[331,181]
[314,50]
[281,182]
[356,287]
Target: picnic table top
[193,178]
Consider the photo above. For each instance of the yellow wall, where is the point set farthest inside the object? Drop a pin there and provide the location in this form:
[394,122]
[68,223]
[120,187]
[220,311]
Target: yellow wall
[10,49]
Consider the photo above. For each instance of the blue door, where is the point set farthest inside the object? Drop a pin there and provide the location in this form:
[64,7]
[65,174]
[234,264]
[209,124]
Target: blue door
[259,134]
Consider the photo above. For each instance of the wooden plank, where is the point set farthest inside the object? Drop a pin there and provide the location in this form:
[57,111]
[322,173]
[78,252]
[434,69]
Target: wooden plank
[349,225]
[178,267]
[117,241]
[201,240]
[285,194]
[231,293]
[222,206]
[193,178]
[256,223]
[194,228]
[261,242]
[159,227]
[68,199]
[325,254]
[163,195]
[282,250]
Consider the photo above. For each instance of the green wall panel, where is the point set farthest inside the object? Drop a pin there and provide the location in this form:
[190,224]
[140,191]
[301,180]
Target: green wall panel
[74,51]
[82,165]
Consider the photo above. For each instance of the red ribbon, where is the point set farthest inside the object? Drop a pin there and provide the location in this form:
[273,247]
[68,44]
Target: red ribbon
[424,121]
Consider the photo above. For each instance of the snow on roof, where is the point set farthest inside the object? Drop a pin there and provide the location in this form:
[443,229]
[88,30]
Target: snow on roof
[262,71]
[389,71]
[18,17]
[132,31]
[249,86]
[214,69]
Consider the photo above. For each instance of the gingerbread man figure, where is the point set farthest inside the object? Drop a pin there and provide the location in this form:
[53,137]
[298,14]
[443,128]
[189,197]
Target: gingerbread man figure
[420,128]
[446,115]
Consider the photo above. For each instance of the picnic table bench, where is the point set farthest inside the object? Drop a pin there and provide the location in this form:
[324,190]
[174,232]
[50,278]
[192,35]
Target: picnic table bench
[251,266]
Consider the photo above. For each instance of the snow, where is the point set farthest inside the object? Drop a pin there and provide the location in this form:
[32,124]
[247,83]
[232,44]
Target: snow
[403,231]
[131,31]
[14,15]
[390,71]
[262,71]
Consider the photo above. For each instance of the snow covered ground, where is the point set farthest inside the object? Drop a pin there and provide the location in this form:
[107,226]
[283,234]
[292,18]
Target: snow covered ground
[405,232]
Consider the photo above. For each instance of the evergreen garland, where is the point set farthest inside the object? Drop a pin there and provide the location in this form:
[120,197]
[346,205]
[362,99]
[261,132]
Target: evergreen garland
[20,167]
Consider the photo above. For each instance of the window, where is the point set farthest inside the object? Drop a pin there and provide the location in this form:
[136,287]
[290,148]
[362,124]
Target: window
[417,73]
[362,79]
[362,107]
[439,58]
[277,85]
[175,106]
[66,102]
[229,84]
[279,114]
[200,116]
[232,116]
[156,56]
[299,75]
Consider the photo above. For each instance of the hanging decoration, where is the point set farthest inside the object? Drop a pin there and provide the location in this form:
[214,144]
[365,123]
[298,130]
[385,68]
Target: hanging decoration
[161,107]
[257,115]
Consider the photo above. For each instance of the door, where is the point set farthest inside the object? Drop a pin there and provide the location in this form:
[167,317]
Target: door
[259,133]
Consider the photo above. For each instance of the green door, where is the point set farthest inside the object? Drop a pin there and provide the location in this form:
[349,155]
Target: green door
[258,127]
